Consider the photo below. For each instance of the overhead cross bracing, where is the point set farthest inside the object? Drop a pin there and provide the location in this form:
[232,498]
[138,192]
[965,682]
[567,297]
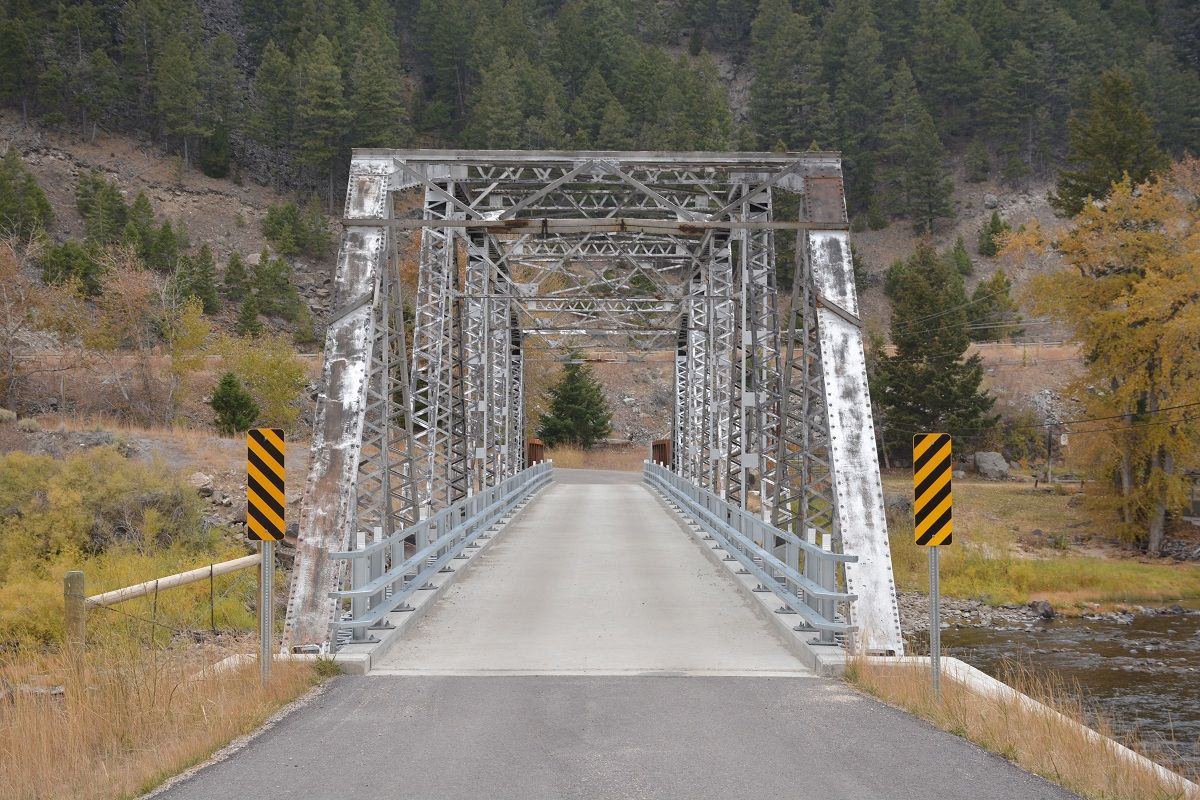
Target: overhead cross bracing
[634,250]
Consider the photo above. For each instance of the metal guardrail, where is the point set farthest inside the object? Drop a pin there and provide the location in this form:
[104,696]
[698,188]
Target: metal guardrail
[799,572]
[381,577]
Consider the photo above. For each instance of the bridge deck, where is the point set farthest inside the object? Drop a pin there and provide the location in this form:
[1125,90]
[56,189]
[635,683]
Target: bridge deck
[597,655]
[595,577]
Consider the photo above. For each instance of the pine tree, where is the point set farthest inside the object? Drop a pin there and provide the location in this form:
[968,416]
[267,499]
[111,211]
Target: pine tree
[976,163]
[960,259]
[103,208]
[274,99]
[247,319]
[578,413]
[321,109]
[235,409]
[587,111]
[948,61]
[380,116]
[926,385]
[163,250]
[860,101]
[496,118]
[24,209]
[235,280]
[788,101]
[97,89]
[989,235]
[548,132]
[1110,138]
[178,93]
[273,289]
[915,179]
[203,281]
[993,314]
[614,127]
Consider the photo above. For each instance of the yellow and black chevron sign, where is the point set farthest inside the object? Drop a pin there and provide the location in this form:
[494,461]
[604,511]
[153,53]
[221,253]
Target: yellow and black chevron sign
[932,502]
[265,499]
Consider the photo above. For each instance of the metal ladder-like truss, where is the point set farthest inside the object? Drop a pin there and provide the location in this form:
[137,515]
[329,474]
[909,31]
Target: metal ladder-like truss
[657,251]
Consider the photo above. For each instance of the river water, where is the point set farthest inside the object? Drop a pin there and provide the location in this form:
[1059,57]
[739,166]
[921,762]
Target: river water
[1142,676]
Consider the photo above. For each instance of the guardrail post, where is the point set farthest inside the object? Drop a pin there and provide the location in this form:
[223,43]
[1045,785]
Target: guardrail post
[827,607]
[360,572]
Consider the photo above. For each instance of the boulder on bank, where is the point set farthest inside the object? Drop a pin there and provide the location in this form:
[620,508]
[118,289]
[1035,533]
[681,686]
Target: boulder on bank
[1042,608]
[991,466]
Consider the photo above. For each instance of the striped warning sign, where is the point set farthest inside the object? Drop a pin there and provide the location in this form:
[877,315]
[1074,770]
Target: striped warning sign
[265,498]
[932,502]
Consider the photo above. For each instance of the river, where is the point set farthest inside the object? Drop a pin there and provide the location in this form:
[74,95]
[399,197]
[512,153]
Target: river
[1144,675]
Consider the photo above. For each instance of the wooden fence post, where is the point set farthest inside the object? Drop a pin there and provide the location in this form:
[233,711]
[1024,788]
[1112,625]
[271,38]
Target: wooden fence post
[75,607]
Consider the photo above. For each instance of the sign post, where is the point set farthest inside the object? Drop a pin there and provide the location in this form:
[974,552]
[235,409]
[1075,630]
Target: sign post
[933,527]
[266,505]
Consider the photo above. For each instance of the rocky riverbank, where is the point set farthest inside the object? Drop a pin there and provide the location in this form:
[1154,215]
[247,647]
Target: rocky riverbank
[961,613]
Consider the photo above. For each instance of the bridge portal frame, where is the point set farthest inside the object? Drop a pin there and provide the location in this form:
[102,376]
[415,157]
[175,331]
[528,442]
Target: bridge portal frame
[409,423]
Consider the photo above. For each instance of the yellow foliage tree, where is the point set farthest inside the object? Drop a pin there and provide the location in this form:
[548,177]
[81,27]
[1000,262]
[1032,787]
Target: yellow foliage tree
[1132,301]
[271,372]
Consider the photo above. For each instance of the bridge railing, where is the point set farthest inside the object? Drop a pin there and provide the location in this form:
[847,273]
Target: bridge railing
[800,572]
[381,576]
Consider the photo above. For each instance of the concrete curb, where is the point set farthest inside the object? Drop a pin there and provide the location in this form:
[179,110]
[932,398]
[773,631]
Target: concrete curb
[979,681]
[823,660]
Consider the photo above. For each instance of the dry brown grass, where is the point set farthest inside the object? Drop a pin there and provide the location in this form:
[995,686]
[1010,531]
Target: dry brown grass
[127,721]
[1044,740]
[620,459]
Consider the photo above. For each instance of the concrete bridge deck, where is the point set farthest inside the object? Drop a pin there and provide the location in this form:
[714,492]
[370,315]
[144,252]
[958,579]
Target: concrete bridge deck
[595,652]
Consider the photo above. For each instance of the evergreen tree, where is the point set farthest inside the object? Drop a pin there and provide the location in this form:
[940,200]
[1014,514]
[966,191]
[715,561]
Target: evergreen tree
[860,100]
[993,314]
[321,109]
[578,413]
[162,251]
[960,259]
[274,99]
[178,93]
[915,179]
[496,118]
[235,280]
[989,235]
[926,385]
[73,261]
[613,133]
[1172,96]
[587,112]
[247,319]
[97,90]
[103,208]
[948,62]
[273,288]
[24,209]
[202,283]
[976,163]
[380,116]
[235,409]
[548,132]
[788,101]
[1110,138]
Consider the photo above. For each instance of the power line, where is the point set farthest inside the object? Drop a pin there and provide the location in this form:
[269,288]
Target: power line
[950,310]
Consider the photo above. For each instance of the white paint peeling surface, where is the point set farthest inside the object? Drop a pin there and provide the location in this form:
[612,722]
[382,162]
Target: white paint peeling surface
[327,507]
[858,490]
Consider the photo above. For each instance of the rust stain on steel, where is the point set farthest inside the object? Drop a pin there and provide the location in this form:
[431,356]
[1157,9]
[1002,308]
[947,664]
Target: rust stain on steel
[326,510]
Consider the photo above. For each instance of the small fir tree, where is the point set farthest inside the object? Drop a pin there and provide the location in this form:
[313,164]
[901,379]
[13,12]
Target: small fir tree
[203,280]
[24,209]
[247,320]
[235,409]
[990,233]
[1110,138]
[961,260]
[578,413]
[235,278]
[976,163]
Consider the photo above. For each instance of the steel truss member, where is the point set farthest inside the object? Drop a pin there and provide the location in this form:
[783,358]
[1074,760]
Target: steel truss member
[422,399]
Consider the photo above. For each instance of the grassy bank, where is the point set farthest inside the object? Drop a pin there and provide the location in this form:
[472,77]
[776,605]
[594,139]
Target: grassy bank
[998,556]
[128,721]
[1035,739]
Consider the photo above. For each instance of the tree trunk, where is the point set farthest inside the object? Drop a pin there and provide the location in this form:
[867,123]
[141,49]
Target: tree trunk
[1126,488]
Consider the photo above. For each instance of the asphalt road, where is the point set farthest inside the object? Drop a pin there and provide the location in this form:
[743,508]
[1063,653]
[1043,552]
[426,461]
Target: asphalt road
[594,652]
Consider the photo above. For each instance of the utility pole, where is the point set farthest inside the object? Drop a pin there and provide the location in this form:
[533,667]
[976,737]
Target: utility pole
[1049,455]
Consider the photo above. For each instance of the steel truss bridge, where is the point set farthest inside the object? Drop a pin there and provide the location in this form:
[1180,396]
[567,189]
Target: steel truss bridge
[422,417]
